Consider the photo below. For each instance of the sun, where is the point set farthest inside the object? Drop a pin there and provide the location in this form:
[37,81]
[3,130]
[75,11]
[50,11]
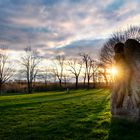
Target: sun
[114,71]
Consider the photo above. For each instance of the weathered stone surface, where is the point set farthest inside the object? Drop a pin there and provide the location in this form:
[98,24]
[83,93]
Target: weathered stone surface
[125,99]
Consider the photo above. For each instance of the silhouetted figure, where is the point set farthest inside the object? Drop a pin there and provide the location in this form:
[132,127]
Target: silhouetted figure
[125,99]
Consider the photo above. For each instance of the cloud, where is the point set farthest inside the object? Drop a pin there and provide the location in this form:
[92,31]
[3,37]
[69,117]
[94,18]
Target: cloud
[91,47]
[60,24]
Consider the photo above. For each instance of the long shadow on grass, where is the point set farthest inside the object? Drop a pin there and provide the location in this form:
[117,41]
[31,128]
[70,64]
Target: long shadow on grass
[43,100]
[79,121]
[122,129]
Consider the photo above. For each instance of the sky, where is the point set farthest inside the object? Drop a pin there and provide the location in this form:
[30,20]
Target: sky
[63,26]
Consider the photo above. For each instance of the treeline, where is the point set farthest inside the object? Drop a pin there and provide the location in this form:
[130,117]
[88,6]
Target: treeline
[64,73]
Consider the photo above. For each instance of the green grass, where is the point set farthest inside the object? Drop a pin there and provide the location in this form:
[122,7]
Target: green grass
[78,115]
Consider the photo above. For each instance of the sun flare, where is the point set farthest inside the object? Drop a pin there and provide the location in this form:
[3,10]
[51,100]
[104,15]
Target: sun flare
[114,71]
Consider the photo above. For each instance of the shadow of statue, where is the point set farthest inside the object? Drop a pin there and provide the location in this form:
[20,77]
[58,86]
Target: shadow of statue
[122,129]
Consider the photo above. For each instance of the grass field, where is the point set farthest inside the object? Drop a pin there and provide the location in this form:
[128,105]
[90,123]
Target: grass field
[78,115]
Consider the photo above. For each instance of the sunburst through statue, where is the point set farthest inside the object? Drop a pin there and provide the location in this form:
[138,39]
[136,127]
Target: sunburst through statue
[114,71]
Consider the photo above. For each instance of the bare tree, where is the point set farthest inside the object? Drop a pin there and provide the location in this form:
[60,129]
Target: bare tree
[75,69]
[29,63]
[95,67]
[6,69]
[59,68]
[103,73]
[88,66]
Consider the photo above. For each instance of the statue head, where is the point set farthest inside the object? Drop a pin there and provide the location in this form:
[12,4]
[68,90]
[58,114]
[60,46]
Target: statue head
[132,51]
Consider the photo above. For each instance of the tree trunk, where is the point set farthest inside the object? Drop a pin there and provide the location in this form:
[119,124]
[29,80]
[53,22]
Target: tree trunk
[88,81]
[94,82]
[76,82]
[29,87]
[65,83]
[60,82]
[105,77]
[0,88]
[85,80]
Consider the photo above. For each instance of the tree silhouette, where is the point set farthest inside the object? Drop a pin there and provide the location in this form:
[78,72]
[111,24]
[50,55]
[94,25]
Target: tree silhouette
[88,66]
[75,69]
[6,69]
[59,68]
[29,63]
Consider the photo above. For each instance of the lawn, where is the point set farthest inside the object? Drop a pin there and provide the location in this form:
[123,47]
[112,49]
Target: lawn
[78,115]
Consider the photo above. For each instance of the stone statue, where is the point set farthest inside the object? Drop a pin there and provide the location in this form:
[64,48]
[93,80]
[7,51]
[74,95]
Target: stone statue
[125,98]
